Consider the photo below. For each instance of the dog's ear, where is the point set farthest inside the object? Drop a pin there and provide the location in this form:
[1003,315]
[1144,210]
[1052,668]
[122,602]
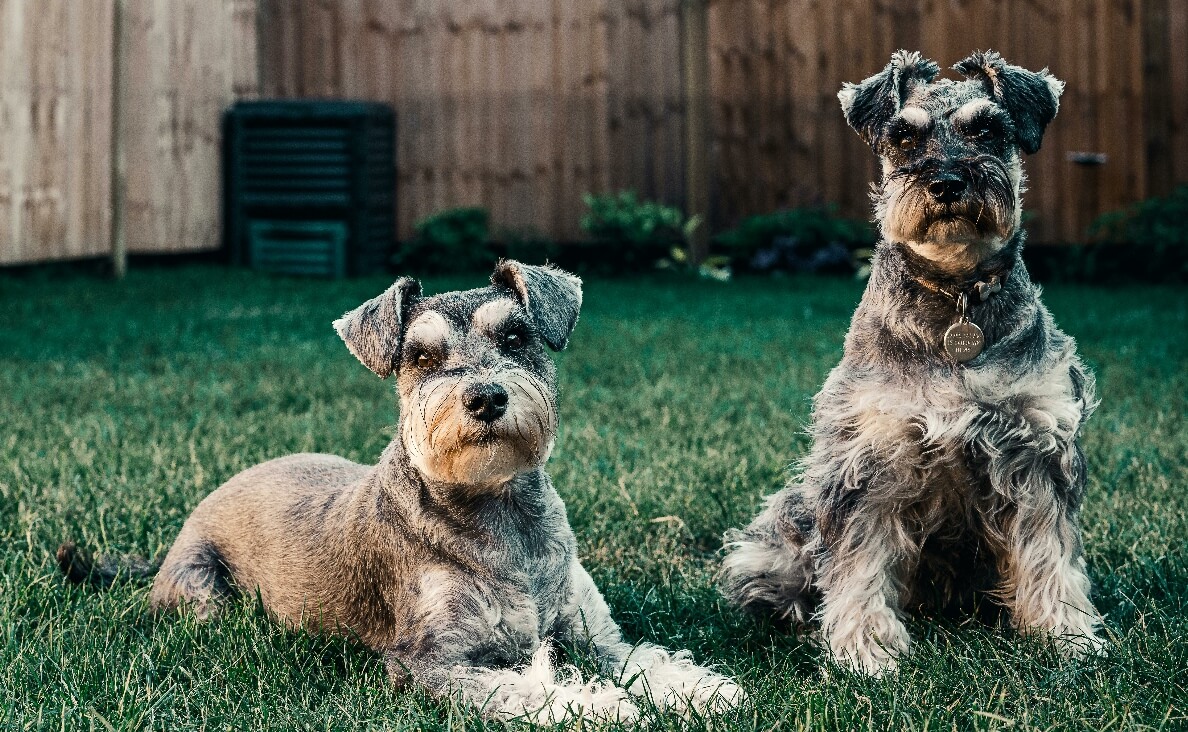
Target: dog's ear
[373,330]
[1030,99]
[870,104]
[552,297]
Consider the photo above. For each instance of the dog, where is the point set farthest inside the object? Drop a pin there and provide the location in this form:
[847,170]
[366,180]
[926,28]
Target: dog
[945,463]
[453,556]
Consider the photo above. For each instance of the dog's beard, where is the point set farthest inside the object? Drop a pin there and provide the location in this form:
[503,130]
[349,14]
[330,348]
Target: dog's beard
[448,445]
[958,235]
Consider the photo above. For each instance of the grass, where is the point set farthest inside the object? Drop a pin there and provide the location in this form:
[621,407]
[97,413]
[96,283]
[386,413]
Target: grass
[123,404]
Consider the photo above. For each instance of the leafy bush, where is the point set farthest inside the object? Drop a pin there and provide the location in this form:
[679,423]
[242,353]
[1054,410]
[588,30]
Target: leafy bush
[798,240]
[454,240]
[634,233]
[1147,241]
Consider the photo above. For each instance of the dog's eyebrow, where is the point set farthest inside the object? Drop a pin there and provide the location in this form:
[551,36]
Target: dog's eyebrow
[969,110]
[914,116]
[429,327]
[490,315]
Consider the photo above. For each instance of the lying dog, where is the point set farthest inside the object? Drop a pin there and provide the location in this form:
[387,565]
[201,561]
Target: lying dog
[452,557]
[945,459]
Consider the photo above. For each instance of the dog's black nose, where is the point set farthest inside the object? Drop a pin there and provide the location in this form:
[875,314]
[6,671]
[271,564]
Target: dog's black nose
[485,402]
[946,188]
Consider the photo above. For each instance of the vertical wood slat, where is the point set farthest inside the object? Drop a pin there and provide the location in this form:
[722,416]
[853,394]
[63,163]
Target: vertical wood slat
[55,111]
[179,56]
[695,81]
[1177,121]
[1157,96]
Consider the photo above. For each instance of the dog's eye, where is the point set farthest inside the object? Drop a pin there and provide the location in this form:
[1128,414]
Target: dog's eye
[907,142]
[425,360]
[514,340]
[982,132]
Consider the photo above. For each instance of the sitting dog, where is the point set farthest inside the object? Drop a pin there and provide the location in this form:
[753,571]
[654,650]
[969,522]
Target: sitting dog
[452,557]
[945,459]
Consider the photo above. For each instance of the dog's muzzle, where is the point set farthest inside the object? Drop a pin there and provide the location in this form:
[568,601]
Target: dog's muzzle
[479,429]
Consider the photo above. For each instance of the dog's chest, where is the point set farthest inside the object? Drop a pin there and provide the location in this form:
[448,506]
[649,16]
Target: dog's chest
[940,430]
[517,601]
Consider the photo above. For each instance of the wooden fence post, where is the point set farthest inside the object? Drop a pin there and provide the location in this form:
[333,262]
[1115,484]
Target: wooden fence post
[119,243]
[695,83]
[1157,98]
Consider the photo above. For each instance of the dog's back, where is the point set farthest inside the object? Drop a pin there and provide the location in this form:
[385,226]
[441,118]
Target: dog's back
[275,529]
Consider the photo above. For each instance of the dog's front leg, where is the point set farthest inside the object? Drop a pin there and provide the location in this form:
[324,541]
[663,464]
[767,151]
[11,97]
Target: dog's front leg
[536,692]
[861,578]
[1043,577]
[482,650]
[669,678]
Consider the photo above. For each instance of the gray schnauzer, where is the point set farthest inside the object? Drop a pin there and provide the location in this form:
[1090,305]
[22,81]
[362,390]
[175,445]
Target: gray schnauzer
[945,460]
[452,557]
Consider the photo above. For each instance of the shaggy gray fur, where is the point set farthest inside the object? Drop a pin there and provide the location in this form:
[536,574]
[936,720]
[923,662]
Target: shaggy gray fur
[930,481]
[453,556]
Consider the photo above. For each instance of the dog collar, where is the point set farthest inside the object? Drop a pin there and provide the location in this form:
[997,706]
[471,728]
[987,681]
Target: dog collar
[982,288]
[964,340]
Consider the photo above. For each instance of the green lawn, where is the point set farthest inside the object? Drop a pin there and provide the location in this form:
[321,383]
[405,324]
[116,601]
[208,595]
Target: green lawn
[123,404]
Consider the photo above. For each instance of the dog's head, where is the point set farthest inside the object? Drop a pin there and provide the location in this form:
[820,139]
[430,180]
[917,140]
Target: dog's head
[951,150]
[477,390]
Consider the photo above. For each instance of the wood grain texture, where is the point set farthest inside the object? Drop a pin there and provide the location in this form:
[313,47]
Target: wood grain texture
[524,105]
[55,113]
[517,105]
[187,60]
[1096,46]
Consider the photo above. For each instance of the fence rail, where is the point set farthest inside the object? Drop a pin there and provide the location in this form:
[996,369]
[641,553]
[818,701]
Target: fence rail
[523,105]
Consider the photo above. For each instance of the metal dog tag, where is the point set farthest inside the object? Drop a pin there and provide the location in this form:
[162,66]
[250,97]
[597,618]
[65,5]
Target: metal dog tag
[964,341]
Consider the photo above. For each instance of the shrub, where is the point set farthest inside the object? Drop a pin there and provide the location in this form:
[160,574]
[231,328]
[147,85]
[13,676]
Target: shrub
[634,233]
[1147,241]
[798,240]
[454,240]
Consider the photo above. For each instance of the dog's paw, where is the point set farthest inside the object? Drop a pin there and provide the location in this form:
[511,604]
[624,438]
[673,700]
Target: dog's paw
[1079,643]
[710,693]
[675,684]
[872,653]
[543,694]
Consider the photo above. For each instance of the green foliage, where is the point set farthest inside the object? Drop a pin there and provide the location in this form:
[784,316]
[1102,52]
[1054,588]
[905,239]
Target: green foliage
[529,246]
[681,405]
[798,239]
[633,233]
[680,259]
[1147,241]
[449,241]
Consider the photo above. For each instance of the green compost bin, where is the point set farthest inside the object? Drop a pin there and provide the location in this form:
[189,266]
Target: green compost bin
[310,186]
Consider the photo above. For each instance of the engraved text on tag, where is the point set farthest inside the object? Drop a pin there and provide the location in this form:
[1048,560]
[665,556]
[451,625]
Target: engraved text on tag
[964,341]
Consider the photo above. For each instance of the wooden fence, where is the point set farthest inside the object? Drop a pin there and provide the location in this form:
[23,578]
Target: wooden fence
[55,129]
[517,105]
[777,70]
[109,122]
[523,105]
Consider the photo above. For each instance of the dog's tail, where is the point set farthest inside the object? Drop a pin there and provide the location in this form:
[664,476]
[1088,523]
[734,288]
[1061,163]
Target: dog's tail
[81,567]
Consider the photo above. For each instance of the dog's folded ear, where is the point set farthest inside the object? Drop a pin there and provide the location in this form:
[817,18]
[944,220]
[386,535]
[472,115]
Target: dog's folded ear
[870,104]
[552,297]
[1031,99]
[372,331]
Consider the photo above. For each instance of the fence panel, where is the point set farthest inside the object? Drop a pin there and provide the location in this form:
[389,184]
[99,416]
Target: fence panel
[55,113]
[760,48]
[524,105]
[517,106]
[185,61]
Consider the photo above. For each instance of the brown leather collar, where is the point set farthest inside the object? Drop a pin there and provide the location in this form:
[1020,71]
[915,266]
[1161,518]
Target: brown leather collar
[976,290]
